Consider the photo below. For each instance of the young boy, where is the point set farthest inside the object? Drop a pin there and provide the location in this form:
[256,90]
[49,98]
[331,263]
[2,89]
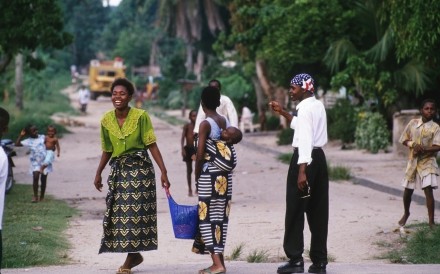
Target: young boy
[52,144]
[188,150]
[4,121]
[422,136]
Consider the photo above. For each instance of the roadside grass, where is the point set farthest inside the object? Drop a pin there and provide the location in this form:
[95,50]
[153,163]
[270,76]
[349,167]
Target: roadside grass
[420,247]
[335,172]
[33,233]
[258,256]
[236,252]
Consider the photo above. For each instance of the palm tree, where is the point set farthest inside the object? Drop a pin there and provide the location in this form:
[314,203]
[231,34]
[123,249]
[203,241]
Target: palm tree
[369,66]
[187,19]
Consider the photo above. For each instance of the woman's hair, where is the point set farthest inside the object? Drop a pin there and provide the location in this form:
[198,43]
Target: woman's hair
[211,97]
[427,101]
[125,83]
[4,119]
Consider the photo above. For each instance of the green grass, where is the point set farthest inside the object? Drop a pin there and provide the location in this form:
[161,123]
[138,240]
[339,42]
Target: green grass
[236,252]
[33,233]
[258,256]
[419,247]
[335,173]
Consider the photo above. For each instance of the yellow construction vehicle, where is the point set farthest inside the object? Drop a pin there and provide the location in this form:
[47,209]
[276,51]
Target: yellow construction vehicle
[102,74]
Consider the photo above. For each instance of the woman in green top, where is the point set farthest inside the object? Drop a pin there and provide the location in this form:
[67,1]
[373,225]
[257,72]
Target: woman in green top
[130,221]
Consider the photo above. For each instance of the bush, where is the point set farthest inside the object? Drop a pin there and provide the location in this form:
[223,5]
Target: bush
[342,121]
[272,123]
[372,133]
[285,136]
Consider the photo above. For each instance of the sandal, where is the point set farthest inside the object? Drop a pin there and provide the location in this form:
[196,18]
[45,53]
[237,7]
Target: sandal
[209,271]
[34,199]
[124,271]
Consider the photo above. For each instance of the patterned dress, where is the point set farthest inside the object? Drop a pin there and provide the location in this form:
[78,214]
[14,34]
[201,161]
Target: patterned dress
[130,221]
[37,153]
[215,193]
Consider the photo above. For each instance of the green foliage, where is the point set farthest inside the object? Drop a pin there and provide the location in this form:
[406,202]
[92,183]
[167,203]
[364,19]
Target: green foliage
[285,136]
[372,133]
[258,256]
[33,233]
[285,158]
[236,252]
[342,120]
[273,122]
[337,172]
[419,247]
[410,20]
[27,25]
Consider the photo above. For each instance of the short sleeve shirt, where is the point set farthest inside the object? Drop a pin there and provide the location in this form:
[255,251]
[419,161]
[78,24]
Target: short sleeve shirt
[135,134]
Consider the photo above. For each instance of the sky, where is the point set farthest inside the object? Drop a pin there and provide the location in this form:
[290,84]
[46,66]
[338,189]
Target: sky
[112,2]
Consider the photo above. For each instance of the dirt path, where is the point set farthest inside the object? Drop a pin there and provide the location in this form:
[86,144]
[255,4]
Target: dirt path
[359,217]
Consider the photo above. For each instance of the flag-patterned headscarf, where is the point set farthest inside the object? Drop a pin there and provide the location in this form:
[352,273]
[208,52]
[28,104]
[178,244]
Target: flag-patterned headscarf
[305,81]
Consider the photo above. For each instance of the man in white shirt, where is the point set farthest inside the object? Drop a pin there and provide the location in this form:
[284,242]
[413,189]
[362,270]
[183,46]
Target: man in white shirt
[307,179]
[4,163]
[226,108]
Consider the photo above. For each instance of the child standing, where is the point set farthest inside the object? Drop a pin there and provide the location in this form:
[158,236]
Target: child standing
[52,144]
[4,121]
[188,150]
[35,143]
[422,136]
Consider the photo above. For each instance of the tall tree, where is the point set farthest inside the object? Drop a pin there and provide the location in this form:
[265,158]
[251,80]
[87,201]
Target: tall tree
[189,20]
[26,25]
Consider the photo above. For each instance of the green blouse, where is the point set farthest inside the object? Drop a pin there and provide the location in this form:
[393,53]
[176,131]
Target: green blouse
[135,134]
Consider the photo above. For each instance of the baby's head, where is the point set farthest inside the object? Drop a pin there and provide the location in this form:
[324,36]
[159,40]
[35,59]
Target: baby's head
[231,135]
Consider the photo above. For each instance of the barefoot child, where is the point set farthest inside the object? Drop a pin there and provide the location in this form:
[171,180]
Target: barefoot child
[422,136]
[35,143]
[188,150]
[52,144]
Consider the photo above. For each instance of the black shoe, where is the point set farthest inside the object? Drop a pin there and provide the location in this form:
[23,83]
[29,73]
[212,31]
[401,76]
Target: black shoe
[318,268]
[290,267]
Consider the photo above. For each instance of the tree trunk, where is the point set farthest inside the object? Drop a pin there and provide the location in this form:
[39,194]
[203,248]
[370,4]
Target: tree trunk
[189,59]
[198,67]
[264,81]
[261,103]
[19,81]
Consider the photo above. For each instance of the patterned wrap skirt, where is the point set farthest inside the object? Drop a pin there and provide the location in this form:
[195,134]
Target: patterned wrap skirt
[215,193]
[130,221]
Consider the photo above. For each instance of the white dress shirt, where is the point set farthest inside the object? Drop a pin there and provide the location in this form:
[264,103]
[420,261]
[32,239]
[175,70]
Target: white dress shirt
[310,128]
[226,109]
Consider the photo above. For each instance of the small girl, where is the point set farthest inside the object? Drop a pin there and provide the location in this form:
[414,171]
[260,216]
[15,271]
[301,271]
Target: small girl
[52,145]
[422,136]
[35,143]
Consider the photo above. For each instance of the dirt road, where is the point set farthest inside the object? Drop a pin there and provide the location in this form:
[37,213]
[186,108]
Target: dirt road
[359,217]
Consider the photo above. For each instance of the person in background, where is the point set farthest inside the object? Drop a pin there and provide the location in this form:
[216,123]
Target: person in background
[226,108]
[35,143]
[84,98]
[246,119]
[52,144]
[4,164]
[130,220]
[422,137]
[307,180]
[188,150]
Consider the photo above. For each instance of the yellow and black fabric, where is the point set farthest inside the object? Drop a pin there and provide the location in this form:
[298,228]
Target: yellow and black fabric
[130,221]
[215,194]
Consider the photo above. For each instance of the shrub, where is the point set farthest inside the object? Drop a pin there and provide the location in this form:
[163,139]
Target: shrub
[372,133]
[285,136]
[272,122]
[342,121]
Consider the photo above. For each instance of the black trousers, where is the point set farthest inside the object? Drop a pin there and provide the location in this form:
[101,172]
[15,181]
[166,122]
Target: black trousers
[316,207]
